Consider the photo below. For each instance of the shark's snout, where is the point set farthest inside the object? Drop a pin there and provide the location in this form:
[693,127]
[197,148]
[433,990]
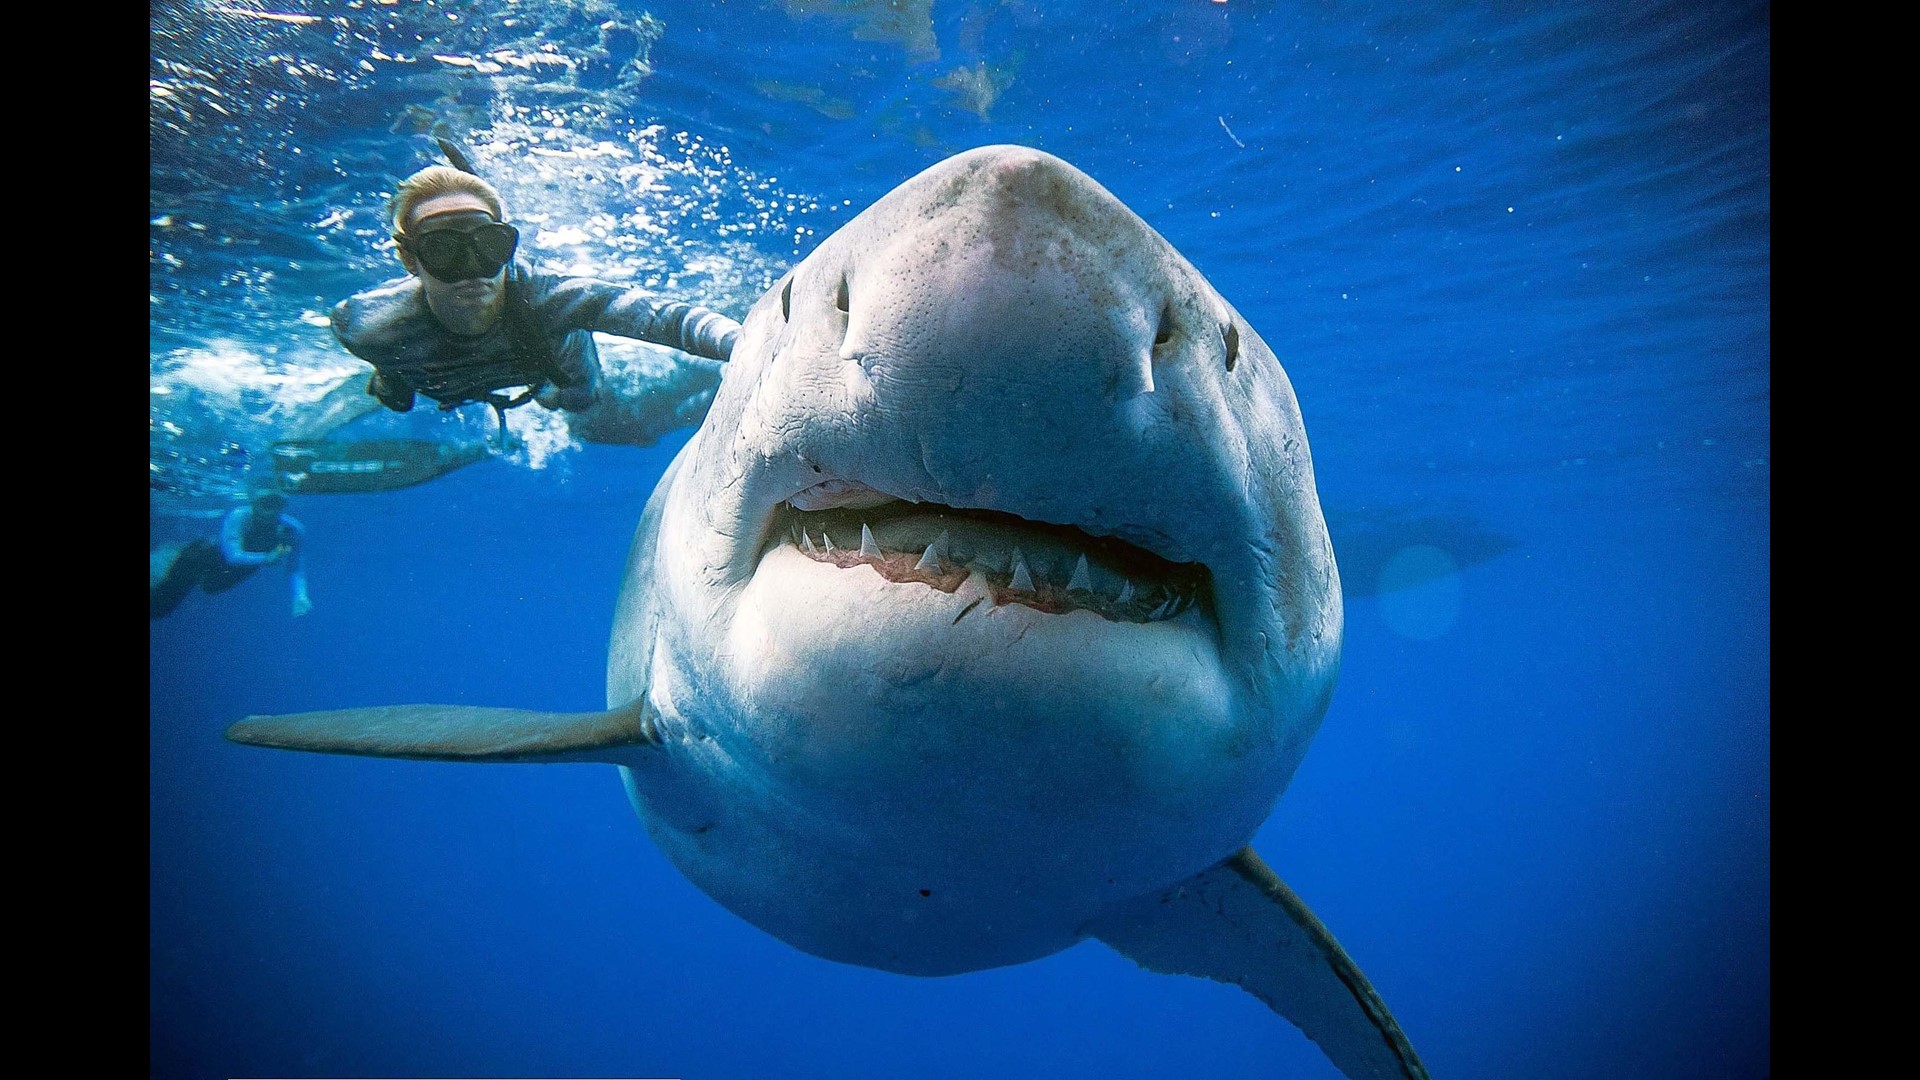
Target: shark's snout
[1028,281]
[1016,341]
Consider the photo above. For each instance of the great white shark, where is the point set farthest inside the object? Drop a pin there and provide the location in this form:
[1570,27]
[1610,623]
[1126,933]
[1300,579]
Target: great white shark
[990,609]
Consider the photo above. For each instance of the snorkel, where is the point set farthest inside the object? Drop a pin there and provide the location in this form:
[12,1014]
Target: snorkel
[521,322]
[456,157]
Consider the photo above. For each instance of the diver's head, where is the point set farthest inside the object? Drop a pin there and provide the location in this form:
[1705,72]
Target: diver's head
[269,502]
[449,232]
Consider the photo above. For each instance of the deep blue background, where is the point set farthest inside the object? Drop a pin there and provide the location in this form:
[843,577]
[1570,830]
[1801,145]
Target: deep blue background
[1516,262]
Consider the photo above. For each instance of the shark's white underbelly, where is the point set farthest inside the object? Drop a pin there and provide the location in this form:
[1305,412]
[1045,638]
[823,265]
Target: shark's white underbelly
[957,797]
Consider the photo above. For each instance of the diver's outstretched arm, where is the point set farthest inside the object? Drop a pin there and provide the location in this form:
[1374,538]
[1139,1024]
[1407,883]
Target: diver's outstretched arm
[294,537]
[592,304]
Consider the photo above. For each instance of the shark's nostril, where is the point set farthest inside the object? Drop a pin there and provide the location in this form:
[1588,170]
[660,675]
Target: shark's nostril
[840,297]
[1164,332]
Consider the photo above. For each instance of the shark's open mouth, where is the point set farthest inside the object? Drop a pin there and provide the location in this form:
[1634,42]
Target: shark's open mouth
[1050,568]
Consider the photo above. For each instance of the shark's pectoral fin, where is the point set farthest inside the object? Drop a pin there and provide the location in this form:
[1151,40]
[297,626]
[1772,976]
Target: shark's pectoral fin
[457,733]
[1239,923]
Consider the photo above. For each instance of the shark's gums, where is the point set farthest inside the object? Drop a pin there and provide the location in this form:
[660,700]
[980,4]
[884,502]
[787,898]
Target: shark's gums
[990,609]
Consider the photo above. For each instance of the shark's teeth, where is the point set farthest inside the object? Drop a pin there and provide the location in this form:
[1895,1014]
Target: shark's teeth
[1081,579]
[1022,580]
[936,551]
[1132,588]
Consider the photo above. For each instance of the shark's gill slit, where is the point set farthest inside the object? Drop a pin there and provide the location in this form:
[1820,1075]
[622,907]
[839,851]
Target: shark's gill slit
[1050,568]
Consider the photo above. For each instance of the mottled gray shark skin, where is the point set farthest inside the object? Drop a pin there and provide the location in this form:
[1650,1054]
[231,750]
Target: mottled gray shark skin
[990,609]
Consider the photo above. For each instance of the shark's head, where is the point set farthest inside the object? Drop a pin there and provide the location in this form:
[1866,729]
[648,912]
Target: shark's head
[994,587]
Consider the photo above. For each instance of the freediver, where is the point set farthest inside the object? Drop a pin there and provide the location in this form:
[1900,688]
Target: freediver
[252,535]
[471,323]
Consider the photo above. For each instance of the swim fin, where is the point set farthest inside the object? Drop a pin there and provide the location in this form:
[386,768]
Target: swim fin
[362,466]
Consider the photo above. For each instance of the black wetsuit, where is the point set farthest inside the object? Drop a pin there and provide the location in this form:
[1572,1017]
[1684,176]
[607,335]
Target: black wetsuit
[544,336]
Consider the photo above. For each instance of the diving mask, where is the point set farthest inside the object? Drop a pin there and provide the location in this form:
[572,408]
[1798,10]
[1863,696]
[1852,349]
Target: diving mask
[462,254]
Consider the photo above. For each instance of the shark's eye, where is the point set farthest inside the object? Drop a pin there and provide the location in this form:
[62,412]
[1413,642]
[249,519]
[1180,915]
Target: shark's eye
[786,301]
[840,297]
[1231,335]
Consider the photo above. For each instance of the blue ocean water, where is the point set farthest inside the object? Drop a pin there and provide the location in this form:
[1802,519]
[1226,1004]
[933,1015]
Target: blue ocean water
[1515,259]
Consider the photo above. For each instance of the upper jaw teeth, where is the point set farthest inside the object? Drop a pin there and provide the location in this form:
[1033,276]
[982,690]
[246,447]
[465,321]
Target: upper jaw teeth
[899,550]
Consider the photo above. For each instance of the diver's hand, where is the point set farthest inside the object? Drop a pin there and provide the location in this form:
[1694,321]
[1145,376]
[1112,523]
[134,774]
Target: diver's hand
[570,398]
[399,399]
[301,605]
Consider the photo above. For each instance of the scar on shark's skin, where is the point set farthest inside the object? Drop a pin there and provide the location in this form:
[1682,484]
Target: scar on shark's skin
[966,610]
